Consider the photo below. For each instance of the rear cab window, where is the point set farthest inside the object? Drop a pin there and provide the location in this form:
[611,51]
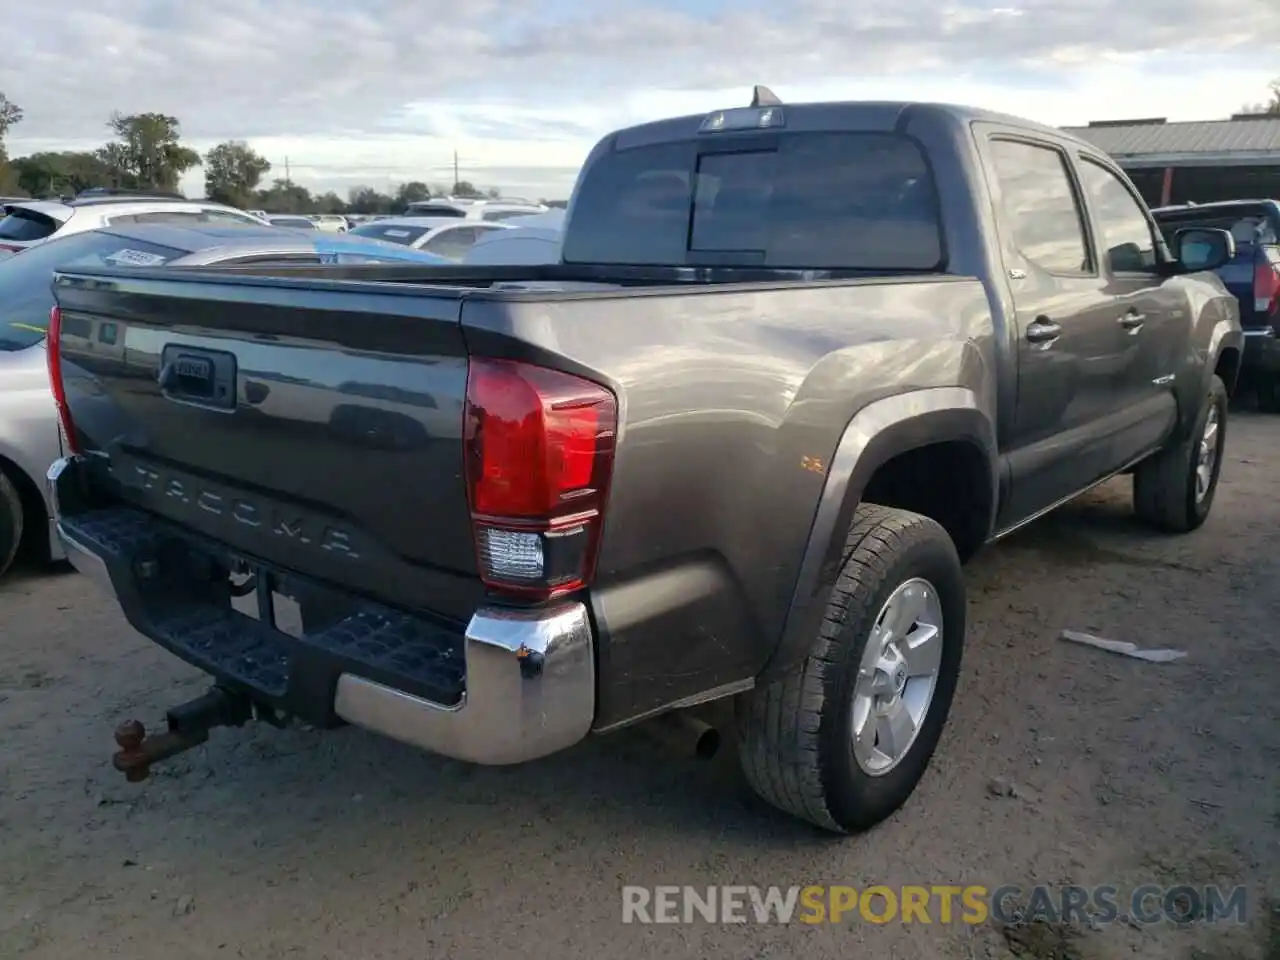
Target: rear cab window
[25,225]
[26,279]
[803,200]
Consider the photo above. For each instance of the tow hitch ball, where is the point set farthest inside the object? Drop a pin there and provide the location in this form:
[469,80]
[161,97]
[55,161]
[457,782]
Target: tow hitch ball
[189,725]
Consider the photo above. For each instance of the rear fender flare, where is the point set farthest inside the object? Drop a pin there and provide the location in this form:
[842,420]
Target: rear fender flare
[879,432]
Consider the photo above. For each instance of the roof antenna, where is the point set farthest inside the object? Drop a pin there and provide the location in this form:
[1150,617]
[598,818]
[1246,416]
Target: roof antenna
[762,96]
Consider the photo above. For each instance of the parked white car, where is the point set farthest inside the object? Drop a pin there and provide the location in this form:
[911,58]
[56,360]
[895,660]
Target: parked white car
[30,222]
[330,223]
[530,240]
[448,237]
[464,208]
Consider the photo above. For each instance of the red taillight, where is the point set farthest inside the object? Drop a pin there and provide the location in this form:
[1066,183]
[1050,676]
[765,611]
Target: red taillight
[53,352]
[1266,290]
[539,454]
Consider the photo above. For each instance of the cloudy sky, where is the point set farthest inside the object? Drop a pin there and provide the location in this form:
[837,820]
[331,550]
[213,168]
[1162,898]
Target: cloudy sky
[382,91]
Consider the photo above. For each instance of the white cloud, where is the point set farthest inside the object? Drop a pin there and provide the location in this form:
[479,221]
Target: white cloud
[381,91]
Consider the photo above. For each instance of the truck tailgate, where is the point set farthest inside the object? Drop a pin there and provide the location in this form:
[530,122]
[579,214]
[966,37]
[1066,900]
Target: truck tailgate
[325,440]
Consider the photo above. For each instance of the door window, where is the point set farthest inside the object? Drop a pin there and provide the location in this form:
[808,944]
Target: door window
[169,216]
[452,242]
[1040,207]
[1126,236]
[226,216]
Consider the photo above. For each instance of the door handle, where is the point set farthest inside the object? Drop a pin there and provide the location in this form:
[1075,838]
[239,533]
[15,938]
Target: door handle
[1133,321]
[1043,330]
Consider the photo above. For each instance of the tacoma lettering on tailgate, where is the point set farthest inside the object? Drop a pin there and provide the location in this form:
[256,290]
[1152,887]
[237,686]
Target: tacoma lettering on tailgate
[173,490]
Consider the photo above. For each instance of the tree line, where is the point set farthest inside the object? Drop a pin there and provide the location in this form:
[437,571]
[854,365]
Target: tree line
[146,153]
[1272,106]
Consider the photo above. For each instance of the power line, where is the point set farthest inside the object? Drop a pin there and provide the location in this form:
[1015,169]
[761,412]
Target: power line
[456,164]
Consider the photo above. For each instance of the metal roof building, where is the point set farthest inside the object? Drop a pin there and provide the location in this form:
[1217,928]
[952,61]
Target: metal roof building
[1202,160]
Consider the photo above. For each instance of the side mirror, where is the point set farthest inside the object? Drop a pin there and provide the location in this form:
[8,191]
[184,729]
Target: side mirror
[1199,249]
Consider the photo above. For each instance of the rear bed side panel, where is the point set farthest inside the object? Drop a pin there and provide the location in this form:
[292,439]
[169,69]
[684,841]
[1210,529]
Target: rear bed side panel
[732,403]
[340,456]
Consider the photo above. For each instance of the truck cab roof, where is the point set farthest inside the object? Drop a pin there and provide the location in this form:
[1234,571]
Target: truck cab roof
[851,115]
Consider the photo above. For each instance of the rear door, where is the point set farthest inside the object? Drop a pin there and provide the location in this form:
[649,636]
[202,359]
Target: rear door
[1069,347]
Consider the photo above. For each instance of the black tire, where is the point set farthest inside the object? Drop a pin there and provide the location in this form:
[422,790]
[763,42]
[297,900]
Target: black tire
[1269,393]
[11,518]
[795,744]
[1164,487]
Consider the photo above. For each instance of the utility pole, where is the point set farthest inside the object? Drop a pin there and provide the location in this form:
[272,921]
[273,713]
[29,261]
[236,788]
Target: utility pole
[287,182]
[456,179]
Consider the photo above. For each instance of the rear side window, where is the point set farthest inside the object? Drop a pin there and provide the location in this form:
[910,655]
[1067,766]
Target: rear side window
[179,217]
[503,214]
[819,201]
[26,278]
[453,242]
[437,211]
[22,224]
[1040,206]
[293,223]
[214,215]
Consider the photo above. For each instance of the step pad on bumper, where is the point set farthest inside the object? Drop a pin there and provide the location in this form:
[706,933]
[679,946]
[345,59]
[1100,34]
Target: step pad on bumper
[154,570]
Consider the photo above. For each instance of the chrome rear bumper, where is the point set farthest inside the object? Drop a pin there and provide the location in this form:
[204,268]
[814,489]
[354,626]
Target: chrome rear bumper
[528,678]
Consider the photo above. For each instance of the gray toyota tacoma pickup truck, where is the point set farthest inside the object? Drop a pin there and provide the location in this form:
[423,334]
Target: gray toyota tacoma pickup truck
[797,364]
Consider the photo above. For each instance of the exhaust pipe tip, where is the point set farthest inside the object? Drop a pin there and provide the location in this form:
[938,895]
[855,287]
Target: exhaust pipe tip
[686,734]
[707,745]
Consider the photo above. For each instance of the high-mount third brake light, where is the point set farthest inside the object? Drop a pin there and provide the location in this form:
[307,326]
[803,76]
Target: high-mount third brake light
[53,353]
[539,456]
[765,113]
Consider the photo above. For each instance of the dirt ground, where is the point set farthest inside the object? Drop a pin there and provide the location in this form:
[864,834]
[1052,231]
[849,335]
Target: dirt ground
[299,844]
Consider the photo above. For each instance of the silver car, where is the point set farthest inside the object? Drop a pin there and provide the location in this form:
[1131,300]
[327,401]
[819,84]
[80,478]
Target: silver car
[27,223]
[444,236]
[29,435]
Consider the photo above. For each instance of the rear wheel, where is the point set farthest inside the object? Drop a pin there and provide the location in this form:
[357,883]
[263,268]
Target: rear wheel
[843,738]
[1174,489]
[11,517]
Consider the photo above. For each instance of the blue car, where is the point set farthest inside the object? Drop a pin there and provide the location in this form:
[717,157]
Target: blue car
[345,248]
[1253,276]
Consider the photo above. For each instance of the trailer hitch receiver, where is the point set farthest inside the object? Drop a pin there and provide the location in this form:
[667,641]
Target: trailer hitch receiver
[189,725]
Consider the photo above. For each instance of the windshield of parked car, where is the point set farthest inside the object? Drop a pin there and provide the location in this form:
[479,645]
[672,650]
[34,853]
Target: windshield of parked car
[23,224]
[26,278]
[296,223]
[800,201]
[403,234]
